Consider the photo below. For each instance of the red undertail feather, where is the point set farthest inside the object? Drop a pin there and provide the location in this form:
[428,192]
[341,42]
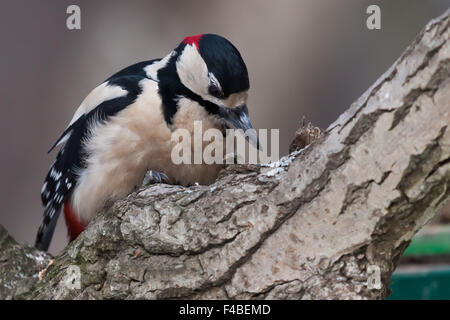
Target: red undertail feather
[74,226]
[193,40]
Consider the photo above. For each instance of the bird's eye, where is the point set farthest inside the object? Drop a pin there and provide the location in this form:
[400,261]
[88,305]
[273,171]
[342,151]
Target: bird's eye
[215,91]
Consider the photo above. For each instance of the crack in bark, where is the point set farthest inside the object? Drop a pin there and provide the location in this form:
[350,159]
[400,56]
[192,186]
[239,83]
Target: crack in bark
[364,124]
[359,192]
[232,211]
[433,84]
[420,165]
[373,92]
[403,111]
[425,62]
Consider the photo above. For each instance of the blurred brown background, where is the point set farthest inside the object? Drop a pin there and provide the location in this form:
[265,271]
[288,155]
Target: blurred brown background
[305,57]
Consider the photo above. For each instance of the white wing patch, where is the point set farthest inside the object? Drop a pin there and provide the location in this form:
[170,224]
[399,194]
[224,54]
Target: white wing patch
[152,70]
[102,93]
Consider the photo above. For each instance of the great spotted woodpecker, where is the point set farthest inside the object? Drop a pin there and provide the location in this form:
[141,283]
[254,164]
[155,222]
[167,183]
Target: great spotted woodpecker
[122,129]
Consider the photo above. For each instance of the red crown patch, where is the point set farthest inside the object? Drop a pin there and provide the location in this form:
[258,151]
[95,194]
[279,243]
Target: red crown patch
[193,40]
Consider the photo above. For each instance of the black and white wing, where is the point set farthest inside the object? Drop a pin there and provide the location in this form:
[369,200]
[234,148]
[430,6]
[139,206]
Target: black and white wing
[112,96]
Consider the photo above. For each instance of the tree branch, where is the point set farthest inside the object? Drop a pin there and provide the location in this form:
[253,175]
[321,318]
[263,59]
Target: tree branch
[327,221]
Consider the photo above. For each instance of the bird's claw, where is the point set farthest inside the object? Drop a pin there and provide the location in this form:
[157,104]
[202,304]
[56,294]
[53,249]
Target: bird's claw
[154,177]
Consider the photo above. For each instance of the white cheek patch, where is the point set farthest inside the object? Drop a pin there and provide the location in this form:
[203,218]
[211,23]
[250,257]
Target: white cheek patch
[193,71]
[194,75]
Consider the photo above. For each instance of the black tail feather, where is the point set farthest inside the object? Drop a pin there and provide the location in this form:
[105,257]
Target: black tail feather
[46,230]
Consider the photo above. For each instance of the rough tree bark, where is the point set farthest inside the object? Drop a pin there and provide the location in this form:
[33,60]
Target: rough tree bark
[326,222]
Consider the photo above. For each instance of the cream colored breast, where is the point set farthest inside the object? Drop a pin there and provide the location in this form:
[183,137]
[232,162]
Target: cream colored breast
[120,152]
[135,140]
[188,112]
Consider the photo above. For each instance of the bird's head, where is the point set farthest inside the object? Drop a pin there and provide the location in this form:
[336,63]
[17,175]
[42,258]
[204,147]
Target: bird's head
[211,71]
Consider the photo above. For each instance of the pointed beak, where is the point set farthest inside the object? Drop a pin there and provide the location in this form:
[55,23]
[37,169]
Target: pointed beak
[238,118]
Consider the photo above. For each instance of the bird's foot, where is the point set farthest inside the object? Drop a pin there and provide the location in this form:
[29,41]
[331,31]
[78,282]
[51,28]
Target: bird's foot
[152,177]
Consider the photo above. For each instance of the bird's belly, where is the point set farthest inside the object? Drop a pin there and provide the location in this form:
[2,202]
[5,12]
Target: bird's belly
[113,179]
